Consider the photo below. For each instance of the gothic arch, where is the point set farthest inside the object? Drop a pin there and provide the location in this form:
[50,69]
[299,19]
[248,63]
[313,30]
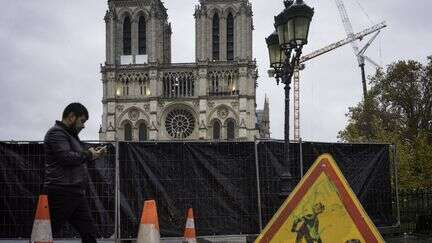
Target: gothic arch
[123,12]
[214,10]
[141,121]
[141,12]
[230,9]
[122,117]
[231,126]
[124,127]
[138,125]
[214,114]
[126,33]
[216,129]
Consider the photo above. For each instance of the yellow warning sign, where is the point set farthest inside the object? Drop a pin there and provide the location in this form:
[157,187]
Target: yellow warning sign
[321,209]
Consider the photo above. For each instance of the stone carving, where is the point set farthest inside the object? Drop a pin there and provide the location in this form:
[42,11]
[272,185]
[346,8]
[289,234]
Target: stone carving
[110,127]
[235,104]
[120,107]
[154,126]
[210,104]
[195,103]
[134,115]
[223,112]
[242,124]
[133,77]
[146,107]
[202,125]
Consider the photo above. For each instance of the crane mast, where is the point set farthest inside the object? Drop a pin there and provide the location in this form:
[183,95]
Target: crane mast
[359,53]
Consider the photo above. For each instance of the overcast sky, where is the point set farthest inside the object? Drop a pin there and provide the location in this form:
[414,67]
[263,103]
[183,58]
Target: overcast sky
[50,52]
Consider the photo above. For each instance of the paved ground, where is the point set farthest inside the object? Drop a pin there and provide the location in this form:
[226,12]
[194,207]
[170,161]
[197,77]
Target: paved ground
[402,239]
[409,239]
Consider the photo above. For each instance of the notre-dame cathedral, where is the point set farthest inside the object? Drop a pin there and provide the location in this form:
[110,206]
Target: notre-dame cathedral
[146,97]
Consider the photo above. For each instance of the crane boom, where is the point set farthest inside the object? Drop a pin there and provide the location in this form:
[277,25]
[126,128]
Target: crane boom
[343,42]
[296,76]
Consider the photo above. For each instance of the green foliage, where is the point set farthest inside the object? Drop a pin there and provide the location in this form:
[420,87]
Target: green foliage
[398,110]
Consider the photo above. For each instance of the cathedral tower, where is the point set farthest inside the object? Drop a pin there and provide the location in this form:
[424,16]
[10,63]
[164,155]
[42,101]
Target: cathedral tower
[223,30]
[146,97]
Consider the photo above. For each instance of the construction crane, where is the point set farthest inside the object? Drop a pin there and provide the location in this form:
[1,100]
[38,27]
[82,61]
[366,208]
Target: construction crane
[296,76]
[359,53]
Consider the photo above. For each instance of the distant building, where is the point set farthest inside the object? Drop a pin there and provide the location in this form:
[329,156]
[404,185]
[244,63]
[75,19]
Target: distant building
[146,97]
[263,120]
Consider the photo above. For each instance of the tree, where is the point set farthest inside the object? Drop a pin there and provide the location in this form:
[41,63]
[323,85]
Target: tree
[398,110]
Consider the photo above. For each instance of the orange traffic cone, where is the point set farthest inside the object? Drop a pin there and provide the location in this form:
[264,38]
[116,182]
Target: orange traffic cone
[149,228]
[190,234]
[41,232]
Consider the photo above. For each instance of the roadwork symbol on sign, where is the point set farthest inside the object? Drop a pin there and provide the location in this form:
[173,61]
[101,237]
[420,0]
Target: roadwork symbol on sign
[321,209]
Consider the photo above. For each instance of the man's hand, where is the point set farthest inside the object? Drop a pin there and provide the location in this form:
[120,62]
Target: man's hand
[98,152]
[103,150]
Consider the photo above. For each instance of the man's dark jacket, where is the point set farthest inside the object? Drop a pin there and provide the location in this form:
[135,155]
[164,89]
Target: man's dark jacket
[65,163]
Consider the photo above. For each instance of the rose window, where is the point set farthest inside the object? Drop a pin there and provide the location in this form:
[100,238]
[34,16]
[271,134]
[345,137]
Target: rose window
[180,123]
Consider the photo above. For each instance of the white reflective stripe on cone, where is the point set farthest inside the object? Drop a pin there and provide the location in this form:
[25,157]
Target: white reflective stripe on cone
[190,240]
[41,232]
[148,234]
[190,224]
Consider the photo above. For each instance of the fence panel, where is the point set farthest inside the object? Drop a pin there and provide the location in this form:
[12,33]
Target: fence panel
[413,204]
[365,166]
[217,179]
[21,178]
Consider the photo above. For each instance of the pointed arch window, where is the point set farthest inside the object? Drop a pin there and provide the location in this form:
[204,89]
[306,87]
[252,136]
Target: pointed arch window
[230,37]
[142,132]
[216,129]
[230,129]
[128,132]
[216,37]
[125,88]
[142,36]
[127,36]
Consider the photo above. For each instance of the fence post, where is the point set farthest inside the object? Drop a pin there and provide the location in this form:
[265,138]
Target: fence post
[258,184]
[301,157]
[117,194]
[395,171]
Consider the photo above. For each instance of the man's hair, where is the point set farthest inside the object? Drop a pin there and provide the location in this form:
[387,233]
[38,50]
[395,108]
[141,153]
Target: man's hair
[77,108]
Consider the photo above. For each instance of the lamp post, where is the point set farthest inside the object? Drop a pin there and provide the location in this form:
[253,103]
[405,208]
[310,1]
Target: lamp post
[285,48]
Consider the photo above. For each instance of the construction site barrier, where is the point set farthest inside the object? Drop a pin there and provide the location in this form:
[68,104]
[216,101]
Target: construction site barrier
[233,187]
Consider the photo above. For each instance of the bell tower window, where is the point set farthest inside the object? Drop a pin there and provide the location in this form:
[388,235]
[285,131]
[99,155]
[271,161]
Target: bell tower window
[216,37]
[230,37]
[142,38]
[127,36]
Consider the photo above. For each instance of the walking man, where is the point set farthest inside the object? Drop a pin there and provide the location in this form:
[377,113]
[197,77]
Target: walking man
[66,173]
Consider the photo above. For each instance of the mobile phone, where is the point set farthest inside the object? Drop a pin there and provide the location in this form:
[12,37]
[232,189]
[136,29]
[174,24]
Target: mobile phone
[100,148]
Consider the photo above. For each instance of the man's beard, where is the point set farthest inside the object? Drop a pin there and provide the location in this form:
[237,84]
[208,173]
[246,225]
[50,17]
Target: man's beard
[75,129]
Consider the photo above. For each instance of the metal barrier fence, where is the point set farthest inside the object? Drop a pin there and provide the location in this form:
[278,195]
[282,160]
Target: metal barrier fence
[233,186]
[21,178]
[415,205]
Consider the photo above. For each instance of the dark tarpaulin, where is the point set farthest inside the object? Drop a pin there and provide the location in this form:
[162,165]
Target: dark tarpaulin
[21,178]
[218,180]
[365,166]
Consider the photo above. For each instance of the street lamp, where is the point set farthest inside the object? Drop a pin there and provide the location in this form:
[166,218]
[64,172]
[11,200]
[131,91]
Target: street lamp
[285,48]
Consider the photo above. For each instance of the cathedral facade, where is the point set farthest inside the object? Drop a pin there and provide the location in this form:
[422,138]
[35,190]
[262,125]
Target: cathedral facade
[147,97]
